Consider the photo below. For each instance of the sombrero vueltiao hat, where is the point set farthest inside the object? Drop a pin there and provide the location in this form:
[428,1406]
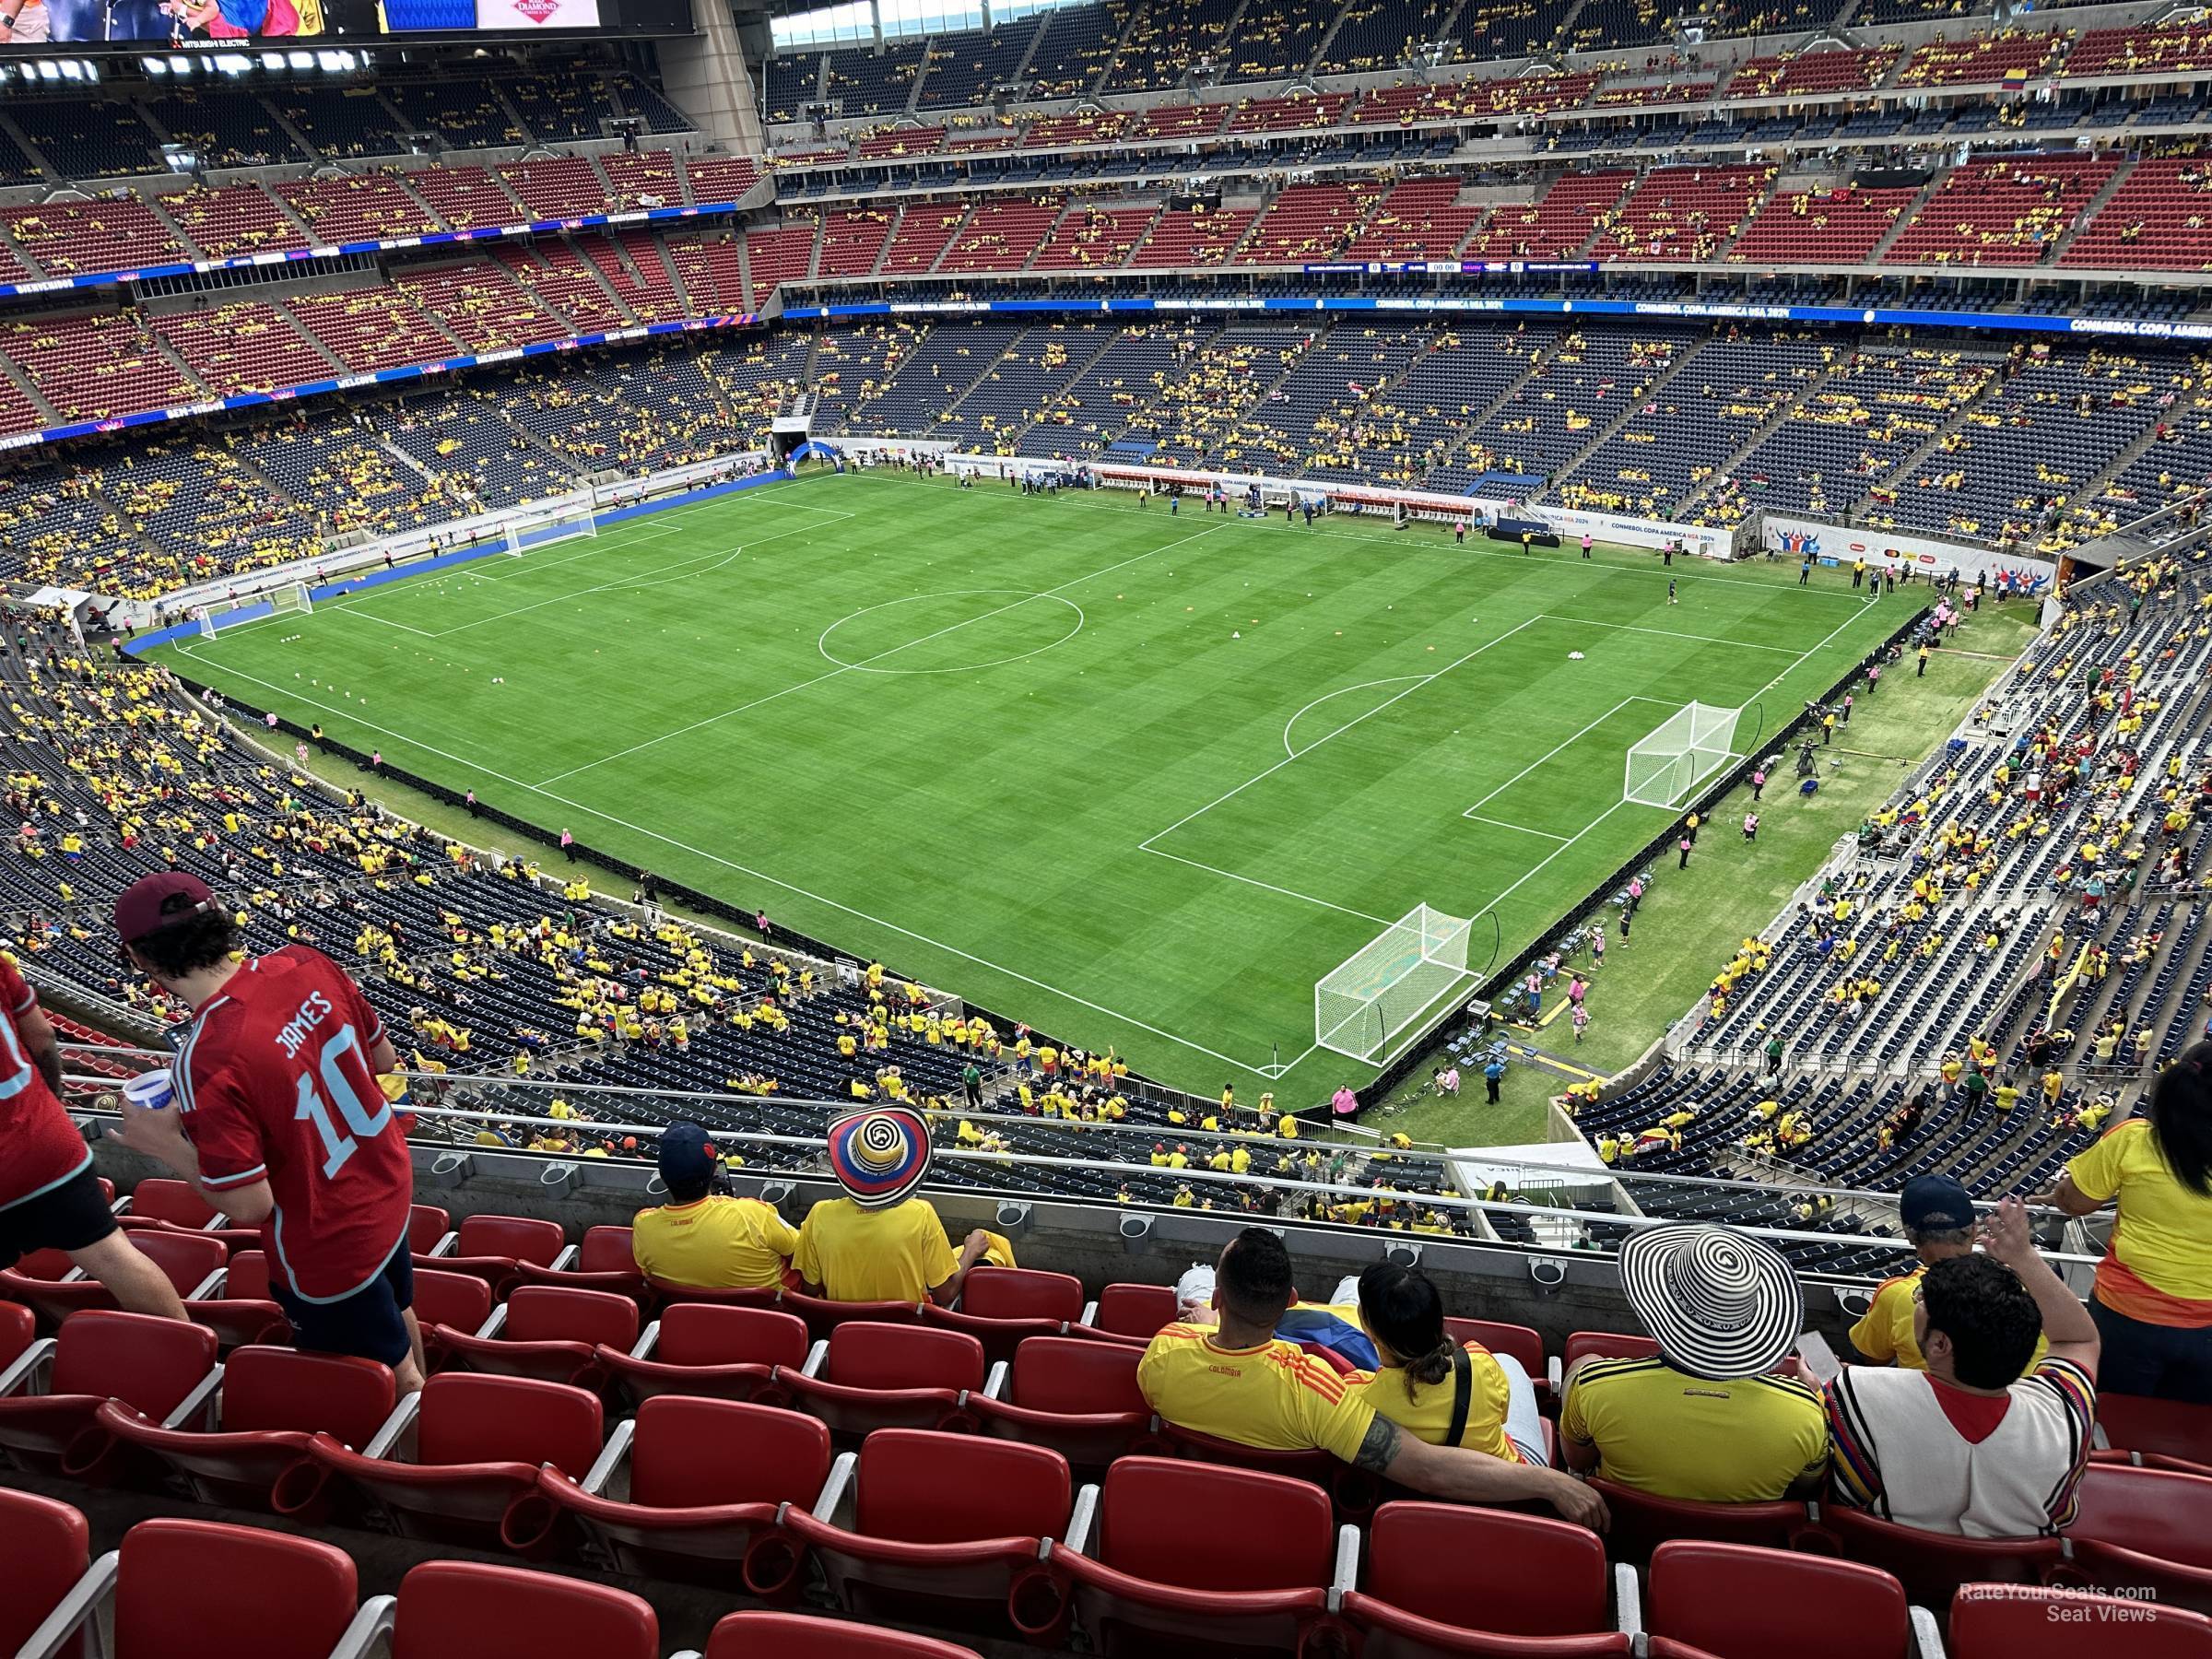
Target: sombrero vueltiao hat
[880,1156]
[1721,1304]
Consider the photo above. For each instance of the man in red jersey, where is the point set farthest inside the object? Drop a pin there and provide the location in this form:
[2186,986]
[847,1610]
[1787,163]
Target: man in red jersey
[50,1199]
[279,1119]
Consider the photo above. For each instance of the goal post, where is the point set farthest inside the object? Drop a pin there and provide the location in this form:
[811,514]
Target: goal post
[1666,765]
[1382,989]
[291,600]
[533,532]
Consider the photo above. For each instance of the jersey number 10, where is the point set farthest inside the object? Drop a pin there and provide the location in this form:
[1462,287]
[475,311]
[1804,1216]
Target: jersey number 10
[337,1091]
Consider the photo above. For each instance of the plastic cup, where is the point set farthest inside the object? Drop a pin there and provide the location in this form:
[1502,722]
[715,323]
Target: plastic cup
[153,1091]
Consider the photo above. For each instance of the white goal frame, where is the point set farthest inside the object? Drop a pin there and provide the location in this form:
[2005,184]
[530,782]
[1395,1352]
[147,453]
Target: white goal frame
[291,599]
[532,531]
[1668,764]
[1384,989]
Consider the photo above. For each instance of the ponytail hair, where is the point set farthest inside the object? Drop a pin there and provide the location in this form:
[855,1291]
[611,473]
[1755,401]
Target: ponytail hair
[1401,1309]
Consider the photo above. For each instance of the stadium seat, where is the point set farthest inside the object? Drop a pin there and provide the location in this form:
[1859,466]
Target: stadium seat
[1641,1523]
[2145,1534]
[801,1636]
[1520,1341]
[1739,1602]
[2012,1621]
[49,1424]
[944,1530]
[493,1247]
[1436,1572]
[192,1262]
[1354,1491]
[1001,1307]
[1171,1560]
[2160,1434]
[548,1332]
[683,1489]
[452,1457]
[823,1317]
[19,1329]
[428,1228]
[1080,1398]
[240,1311]
[869,1376]
[253,1419]
[457,1301]
[1931,1565]
[446,1608]
[47,1545]
[178,1589]
[164,1200]
[705,1348]
[1130,1311]
[603,1262]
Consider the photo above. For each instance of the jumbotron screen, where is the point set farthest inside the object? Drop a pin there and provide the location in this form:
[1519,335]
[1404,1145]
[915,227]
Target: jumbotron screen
[155,23]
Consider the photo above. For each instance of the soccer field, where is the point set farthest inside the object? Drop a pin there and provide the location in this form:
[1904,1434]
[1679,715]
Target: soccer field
[1136,778]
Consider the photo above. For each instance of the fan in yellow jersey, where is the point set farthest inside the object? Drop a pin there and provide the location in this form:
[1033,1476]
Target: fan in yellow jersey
[1236,1382]
[1938,1217]
[879,1242]
[703,1240]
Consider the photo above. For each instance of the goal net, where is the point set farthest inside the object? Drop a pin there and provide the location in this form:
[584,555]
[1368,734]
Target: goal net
[290,601]
[1668,765]
[532,531]
[1384,989]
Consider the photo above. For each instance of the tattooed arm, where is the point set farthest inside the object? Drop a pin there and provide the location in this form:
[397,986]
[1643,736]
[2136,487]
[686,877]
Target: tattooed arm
[1467,1476]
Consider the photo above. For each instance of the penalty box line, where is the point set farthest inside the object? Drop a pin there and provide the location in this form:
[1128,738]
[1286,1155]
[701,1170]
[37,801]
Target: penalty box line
[762,876]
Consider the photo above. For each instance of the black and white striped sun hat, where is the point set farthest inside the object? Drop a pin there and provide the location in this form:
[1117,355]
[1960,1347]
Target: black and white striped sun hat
[1719,1304]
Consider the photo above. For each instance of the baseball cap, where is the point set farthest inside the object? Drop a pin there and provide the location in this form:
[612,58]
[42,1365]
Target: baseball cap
[1934,1204]
[152,902]
[687,1155]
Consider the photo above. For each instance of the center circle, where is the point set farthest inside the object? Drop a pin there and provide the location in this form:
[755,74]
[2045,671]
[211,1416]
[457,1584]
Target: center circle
[957,631]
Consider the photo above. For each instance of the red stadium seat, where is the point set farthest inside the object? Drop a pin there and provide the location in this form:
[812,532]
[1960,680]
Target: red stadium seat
[19,1329]
[1355,1492]
[426,1228]
[240,1310]
[823,1317]
[458,1454]
[164,1199]
[799,1636]
[2011,1621]
[150,1364]
[1138,1311]
[885,1376]
[492,1248]
[1742,1603]
[257,1418]
[704,1349]
[189,1260]
[2167,1434]
[1606,1345]
[1931,1565]
[2145,1534]
[1080,1398]
[1641,1523]
[1505,1575]
[939,1529]
[1520,1341]
[181,1589]
[748,1296]
[1192,1561]
[457,1301]
[685,1488]
[603,1262]
[1001,1307]
[548,1332]
[46,1544]
[448,1608]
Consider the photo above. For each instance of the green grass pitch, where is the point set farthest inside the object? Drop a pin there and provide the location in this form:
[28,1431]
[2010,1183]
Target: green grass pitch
[1136,778]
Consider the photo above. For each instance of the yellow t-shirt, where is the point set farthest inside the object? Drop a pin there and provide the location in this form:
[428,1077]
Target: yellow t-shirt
[1428,1415]
[2158,1267]
[1274,1396]
[896,1254]
[1672,1435]
[1885,1330]
[717,1243]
